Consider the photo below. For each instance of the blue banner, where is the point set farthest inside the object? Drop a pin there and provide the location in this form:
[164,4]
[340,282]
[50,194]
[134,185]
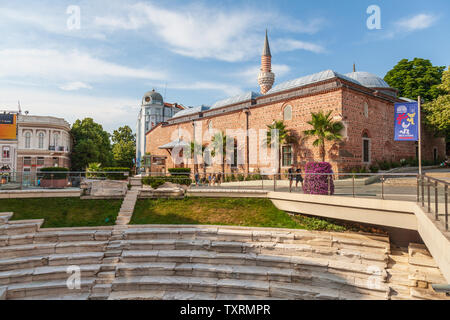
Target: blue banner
[406,119]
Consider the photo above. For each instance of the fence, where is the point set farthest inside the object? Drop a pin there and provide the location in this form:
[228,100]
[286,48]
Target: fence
[439,197]
[58,179]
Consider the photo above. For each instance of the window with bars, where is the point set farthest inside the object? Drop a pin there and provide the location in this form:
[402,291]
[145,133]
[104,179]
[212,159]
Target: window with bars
[6,153]
[27,161]
[287,156]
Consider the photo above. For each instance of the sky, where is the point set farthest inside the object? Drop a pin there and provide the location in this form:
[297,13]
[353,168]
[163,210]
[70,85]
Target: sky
[97,58]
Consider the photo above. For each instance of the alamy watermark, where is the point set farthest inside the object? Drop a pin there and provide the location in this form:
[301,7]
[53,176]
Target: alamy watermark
[74,19]
[74,280]
[374,20]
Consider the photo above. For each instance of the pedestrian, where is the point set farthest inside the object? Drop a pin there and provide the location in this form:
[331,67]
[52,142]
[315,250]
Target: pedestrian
[197,178]
[209,179]
[298,177]
[291,177]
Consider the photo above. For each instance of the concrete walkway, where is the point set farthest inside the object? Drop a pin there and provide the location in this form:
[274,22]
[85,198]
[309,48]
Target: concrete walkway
[127,208]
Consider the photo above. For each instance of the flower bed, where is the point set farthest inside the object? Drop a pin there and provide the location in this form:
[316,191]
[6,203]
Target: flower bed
[318,184]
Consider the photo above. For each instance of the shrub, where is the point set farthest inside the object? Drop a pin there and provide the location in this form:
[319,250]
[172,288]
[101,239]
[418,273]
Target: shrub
[373,169]
[155,182]
[318,184]
[241,177]
[54,173]
[180,171]
[384,165]
[115,173]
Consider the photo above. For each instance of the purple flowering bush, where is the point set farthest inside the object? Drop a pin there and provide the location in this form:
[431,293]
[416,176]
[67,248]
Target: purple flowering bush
[318,184]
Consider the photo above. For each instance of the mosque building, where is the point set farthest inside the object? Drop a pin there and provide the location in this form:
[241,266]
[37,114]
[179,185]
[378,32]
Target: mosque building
[362,101]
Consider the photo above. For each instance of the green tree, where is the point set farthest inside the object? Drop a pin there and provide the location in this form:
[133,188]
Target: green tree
[196,150]
[219,141]
[324,129]
[91,144]
[124,146]
[437,112]
[415,78]
[284,136]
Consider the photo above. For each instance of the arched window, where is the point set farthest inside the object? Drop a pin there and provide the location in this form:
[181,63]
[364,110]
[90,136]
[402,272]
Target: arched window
[27,140]
[366,148]
[287,113]
[41,140]
[56,140]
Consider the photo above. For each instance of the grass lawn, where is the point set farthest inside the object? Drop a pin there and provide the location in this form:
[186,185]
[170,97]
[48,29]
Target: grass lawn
[63,212]
[225,211]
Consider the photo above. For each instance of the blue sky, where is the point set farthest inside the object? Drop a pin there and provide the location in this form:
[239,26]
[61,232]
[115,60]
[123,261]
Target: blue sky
[195,52]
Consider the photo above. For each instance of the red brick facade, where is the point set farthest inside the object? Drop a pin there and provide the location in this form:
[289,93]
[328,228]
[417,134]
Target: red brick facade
[346,100]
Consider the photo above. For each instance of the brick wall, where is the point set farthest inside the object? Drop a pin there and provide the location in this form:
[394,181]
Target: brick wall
[345,104]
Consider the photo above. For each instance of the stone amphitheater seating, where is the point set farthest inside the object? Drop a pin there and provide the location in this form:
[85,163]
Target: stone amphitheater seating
[208,262]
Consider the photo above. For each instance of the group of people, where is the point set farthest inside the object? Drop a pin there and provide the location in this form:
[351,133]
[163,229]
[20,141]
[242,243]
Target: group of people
[295,174]
[210,179]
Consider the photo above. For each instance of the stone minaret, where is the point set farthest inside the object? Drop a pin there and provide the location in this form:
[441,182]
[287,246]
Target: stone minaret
[266,77]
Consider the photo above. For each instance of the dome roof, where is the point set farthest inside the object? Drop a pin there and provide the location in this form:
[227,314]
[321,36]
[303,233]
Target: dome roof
[368,79]
[151,97]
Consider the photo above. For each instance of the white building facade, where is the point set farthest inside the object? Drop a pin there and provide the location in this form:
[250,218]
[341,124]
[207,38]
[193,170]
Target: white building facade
[42,142]
[153,111]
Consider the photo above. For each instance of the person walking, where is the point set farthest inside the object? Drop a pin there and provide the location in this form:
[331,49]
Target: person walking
[197,178]
[298,177]
[291,177]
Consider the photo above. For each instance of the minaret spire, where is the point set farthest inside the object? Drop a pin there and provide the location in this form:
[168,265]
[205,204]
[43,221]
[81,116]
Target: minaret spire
[266,77]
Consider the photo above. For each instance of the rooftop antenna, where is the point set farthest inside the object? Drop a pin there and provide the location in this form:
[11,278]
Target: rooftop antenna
[354,67]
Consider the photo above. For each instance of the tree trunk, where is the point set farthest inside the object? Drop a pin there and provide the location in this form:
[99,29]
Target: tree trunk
[323,151]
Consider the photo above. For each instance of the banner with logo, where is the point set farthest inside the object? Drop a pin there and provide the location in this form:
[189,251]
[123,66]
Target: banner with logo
[406,126]
[8,130]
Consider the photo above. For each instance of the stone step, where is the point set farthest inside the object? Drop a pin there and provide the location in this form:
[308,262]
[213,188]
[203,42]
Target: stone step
[356,270]
[104,289]
[20,227]
[47,273]
[52,248]
[180,295]
[259,288]
[246,273]
[339,241]
[73,296]
[51,260]
[45,288]
[232,286]
[253,247]
[5,216]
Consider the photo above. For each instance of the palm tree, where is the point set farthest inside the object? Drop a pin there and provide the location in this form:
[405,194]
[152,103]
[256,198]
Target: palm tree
[284,136]
[219,141]
[195,151]
[324,128]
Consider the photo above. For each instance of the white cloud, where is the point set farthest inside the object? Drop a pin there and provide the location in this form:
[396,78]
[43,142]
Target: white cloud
[111,112]
[201,31]
[417,22]
[73,86]
[405,26]
[72,66]
[292,44]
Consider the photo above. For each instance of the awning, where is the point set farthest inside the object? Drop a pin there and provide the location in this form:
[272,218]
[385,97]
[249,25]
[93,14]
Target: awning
[175,143]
